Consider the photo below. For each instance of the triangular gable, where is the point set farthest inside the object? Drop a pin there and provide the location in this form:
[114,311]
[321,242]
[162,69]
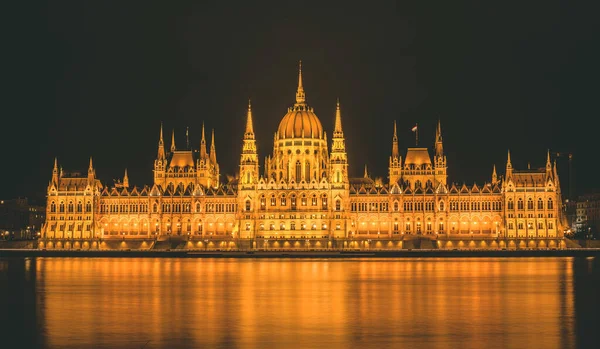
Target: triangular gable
[453,189]
[475,188]
[464,189]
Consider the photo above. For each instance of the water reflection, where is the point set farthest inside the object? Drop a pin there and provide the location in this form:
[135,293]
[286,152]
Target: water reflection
[354,303]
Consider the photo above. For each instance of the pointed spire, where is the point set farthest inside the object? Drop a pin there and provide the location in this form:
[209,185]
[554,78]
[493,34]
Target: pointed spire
[300,97]
[366,175]
[91,166]
[125,180]
[439,146]
[55,169]
[509,169]
[173,141]
[494,175]
[249,127]
[161,144]
[213,151]
[395,152]
[187,138]
[337,129]
[438,132]
[203,154]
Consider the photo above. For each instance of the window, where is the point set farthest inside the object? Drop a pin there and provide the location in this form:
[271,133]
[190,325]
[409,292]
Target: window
[52,207]
[273,200]
[520,204]
[263,202]
[70,207]
[442,206]
[511,225]
[338,205]
[395,226]
[298,171]
[307,171]
[247,205]
[408,226]
[550,225]
[324,202]
[550,204]
[283,200]
[396,206]
[441,226]
[155,207]
[511,204]
[304,201]
[314,200]
[293,226]
[520,225]
[79,207]
[61,207]
[529,204]
[540,225]
[293,202]
[540,204]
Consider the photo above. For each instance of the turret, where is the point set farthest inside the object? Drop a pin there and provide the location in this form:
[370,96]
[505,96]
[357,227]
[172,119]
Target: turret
[91,172]
[213,151]
[395,167]
[249,158]
[439,160]
[125,180]
[300,96]
[338,157]
[439,147]
[161,145]
[55,172]
[173,148]
[494,176]
[203,154]
[509,168]
[548,165]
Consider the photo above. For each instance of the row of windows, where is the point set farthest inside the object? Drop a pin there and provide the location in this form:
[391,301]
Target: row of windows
[293,226]
[521,225]
[123,208]
[530,205]
[61,227]
[293,201]
[71,207]
[370,206]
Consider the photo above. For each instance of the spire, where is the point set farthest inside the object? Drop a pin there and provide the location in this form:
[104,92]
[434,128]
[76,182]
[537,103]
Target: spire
[249,127]
[161,144]
[395,152]
[300,97]
[91,170]
[439,146]
[213,152]
[173,141]
[509,168]
[366,175]
[55,172]
[494,175]
[125,180]
[338,119]
[203,144]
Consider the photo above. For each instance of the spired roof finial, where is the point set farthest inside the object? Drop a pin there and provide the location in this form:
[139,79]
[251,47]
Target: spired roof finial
[300,96]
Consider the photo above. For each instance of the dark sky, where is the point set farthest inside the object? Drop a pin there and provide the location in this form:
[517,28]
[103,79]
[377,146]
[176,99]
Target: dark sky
[96,78]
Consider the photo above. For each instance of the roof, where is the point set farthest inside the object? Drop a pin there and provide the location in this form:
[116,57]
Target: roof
[417,156]
[182,158]
[300,122]
[529,177]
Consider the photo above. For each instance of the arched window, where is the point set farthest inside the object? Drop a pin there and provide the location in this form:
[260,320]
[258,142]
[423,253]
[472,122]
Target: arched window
[88,207]
[530,204]
[52,207]
[283,200]
[442,206]
[314,200]
[79,206]
[520,204]
[70,207]
[263,202]
[338,205]
[396,208]
[293,201]
[540,204]
[155,208]
[324,202]
[247,205]
[298,171]
[550,204]
[307,171]
[511,204]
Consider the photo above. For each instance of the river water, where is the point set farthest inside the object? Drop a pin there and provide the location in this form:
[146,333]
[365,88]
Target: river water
[299,303]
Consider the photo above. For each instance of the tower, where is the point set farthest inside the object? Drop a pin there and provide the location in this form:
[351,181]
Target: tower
[91,173]
[509,168]
[439,160]
[125,180]
[249,158]
[395,167]
[160,164]
[338,157]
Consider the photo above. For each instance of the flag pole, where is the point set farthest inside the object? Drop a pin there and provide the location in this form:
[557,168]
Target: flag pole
[416,135]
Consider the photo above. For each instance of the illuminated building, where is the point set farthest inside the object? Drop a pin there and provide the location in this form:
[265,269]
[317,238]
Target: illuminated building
[304,198]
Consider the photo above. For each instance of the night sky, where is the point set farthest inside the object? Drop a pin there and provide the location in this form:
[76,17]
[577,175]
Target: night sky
[84,78]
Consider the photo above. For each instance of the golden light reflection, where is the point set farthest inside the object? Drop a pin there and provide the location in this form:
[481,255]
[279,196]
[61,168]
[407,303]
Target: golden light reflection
[284,303]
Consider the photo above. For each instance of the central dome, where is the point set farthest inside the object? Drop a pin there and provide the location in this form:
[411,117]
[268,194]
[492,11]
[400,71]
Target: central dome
[300,120]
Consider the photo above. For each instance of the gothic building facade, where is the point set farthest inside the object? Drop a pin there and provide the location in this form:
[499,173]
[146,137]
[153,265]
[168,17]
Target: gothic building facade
[304,198]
